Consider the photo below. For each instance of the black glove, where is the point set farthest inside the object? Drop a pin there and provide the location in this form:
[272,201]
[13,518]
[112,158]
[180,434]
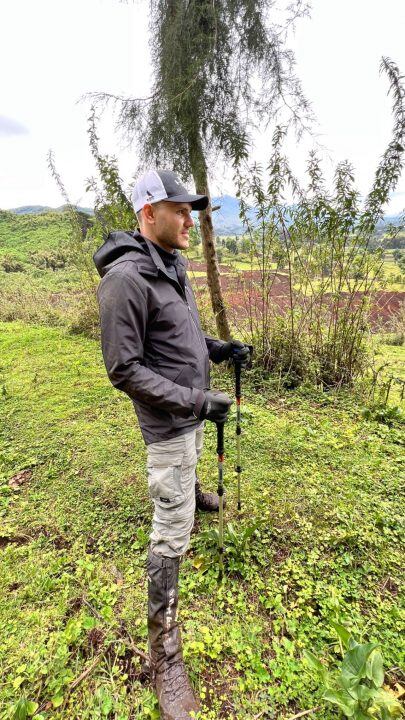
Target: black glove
[216,406]
[236,352]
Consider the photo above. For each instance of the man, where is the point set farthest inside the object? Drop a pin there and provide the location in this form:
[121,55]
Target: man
[155,351]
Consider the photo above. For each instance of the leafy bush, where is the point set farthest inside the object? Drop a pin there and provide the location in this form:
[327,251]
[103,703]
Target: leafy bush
[55,260]
[31,307]
[357,688]
[397,327]
[10,264]
[239,548]
[383,413]
[112,210]
[85,320]
[324,242]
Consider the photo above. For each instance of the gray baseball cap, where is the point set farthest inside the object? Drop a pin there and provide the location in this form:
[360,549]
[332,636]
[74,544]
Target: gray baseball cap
[156,185]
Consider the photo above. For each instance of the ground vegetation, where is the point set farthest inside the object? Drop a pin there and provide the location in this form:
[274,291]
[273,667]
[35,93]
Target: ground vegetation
[315,552]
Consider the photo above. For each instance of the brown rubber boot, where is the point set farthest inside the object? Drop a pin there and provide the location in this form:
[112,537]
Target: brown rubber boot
[169,676]
[206,501]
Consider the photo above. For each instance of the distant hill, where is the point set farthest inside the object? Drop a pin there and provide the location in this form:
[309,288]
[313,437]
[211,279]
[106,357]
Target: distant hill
[27,234]
[226,219]
[39,209]
[30,209]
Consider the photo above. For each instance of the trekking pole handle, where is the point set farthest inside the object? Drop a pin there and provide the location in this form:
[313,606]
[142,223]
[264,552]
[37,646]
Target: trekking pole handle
[220,438]
[238,373]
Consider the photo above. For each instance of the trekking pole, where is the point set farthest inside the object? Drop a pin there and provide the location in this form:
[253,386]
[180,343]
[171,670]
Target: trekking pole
[238,468]
[220,452]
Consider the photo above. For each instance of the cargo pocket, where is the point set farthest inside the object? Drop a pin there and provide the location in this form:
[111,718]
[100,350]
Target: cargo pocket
[164,482]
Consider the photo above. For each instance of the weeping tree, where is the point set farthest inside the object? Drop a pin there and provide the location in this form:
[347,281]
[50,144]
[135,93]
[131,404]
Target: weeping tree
[219,67]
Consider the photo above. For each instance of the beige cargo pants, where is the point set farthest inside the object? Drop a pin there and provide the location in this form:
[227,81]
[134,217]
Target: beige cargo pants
[171,480]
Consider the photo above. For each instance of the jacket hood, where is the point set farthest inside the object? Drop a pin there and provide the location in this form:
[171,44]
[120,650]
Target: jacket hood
[117,244]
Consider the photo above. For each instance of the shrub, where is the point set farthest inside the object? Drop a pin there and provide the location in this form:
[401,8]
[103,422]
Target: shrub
[11,265]
[356,688]
[52,260]
[325,242]
[85,319]
[32,306]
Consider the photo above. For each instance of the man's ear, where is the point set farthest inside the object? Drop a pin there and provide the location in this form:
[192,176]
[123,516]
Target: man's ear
[148,214]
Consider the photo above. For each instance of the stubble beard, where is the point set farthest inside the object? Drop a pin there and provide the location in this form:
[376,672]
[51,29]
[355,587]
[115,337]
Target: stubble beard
[173,242]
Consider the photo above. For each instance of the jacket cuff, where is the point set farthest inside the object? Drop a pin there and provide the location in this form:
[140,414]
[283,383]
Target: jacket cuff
[198,399]
[216,352]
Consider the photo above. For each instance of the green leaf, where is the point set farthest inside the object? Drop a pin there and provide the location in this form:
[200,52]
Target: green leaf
[18,681]
[72,630]
[313,662]
[89,622]
[375,669]
[343,700]
[348,681]
[387,704]
[57,701]
[365,693]
[32,707]
[342,633]
[355,660]
[20,710]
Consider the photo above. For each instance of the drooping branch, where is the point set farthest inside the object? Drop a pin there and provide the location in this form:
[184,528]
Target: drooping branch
[390,167]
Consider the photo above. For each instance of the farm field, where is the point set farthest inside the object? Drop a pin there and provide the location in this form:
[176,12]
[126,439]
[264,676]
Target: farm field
[35,292]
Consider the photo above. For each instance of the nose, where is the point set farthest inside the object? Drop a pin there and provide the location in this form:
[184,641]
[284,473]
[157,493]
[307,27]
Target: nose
[189,221]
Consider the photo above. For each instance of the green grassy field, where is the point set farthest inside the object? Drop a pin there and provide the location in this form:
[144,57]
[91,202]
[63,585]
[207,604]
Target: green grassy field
[22,235]
[36,293]
[318,541]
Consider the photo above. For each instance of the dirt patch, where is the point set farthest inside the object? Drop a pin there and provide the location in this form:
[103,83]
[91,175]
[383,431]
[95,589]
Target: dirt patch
[242,294]
[389,586]
[96,639]
[386,305]
[281,555]
[195,266]
[52,535]
[14,586]
[14,540]
[20,479]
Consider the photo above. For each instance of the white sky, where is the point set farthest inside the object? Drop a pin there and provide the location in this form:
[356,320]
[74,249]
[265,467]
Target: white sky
[52,52]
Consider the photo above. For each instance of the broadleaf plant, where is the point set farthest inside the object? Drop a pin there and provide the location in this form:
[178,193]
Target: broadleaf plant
[356,689]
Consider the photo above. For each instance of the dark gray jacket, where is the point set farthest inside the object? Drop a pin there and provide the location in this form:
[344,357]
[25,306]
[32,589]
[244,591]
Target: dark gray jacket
[153,346]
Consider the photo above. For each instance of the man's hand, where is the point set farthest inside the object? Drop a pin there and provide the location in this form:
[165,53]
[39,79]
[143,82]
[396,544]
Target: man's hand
[238,353]
[216,406]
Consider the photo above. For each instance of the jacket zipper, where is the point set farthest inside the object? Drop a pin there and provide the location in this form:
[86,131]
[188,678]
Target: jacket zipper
[194,322]
[183,292]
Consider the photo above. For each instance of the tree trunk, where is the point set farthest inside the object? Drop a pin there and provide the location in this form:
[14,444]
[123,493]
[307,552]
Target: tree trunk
[199,170]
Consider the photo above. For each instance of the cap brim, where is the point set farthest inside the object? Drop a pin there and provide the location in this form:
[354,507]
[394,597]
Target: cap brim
[197,202]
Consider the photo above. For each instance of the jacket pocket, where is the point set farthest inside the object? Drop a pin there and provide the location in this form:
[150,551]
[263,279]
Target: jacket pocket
[180,373]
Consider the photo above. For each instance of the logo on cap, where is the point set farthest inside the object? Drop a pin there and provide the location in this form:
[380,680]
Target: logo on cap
[149,195]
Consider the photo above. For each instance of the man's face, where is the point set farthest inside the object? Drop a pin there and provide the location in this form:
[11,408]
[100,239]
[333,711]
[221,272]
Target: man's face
[172,222]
